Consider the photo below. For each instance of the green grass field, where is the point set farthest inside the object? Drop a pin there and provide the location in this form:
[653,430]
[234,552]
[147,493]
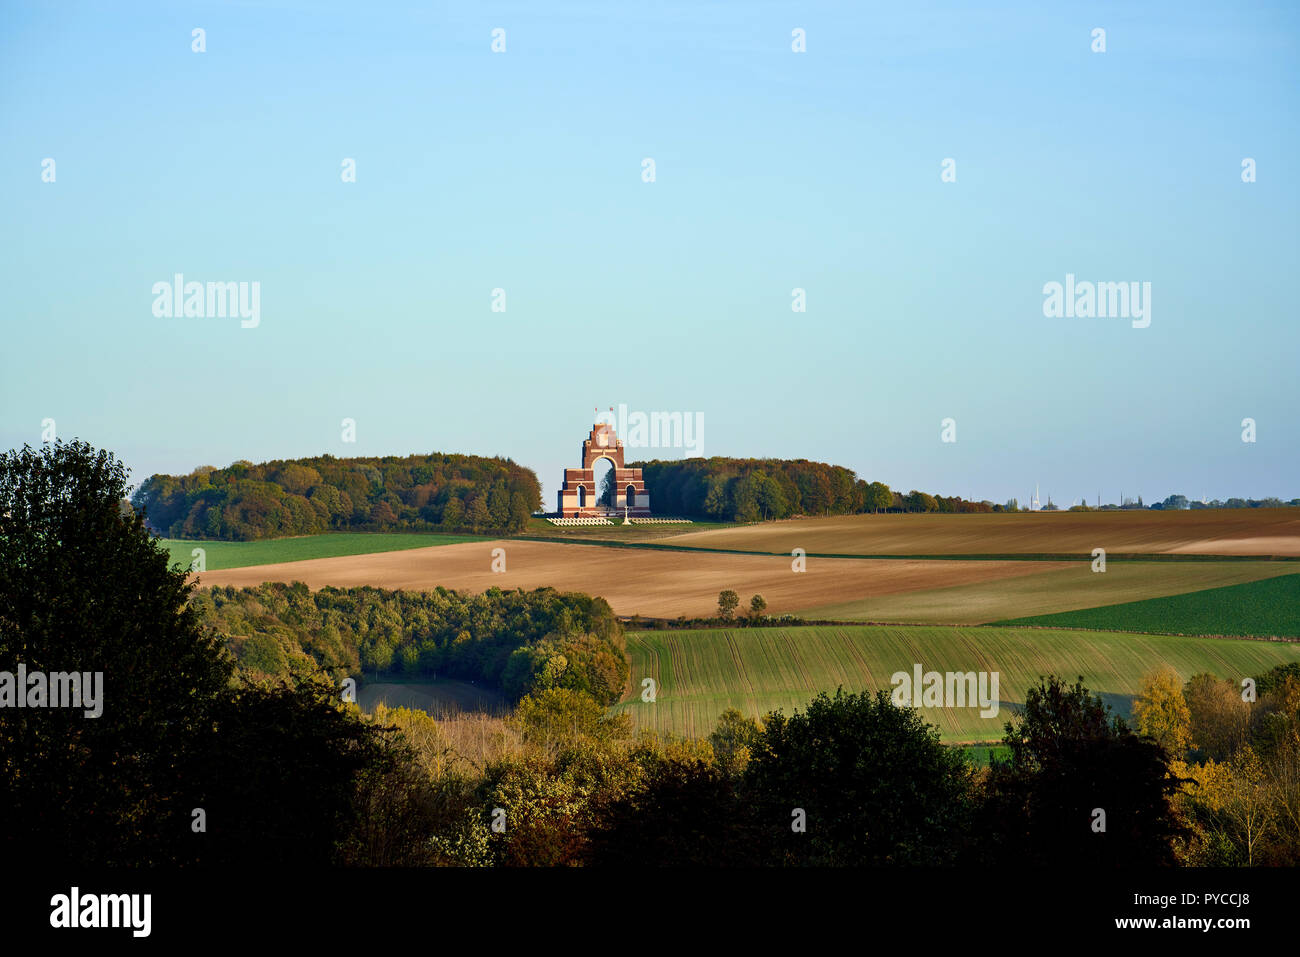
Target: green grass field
[1052,592]
[273,551]
[1264,608]
[982,755]
[701,673]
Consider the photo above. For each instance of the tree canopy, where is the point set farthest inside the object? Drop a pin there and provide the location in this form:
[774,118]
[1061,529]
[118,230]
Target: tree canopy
[518,641]
[305,496]
[751,490]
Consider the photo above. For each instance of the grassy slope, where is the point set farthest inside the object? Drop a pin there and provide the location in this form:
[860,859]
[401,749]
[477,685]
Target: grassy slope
[276,550]
[1051,592]
[1269,608]
[700,673]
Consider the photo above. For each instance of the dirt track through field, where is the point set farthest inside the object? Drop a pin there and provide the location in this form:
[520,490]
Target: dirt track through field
[662,584]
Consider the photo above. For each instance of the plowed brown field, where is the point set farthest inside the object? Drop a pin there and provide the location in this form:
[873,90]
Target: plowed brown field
[653,583]
[1255,531]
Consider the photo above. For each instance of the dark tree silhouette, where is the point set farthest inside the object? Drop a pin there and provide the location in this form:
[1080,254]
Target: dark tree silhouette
[1080,787]
[84,588]
[874,782]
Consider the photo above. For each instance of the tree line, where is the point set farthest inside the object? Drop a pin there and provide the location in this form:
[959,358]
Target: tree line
[435,492]
[1177,502]
[1172,503]
[518,642]
[751,490]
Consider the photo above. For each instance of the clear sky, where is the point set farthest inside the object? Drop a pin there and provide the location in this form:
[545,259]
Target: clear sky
[522,170]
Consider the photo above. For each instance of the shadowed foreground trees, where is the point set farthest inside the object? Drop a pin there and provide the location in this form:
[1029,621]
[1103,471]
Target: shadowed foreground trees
[851,781]
[1080,787]
[874,782]
[284,774]
[83,588]
[857,781]
[277,773]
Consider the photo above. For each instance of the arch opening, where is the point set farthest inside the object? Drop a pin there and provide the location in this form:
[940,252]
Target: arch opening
[603,471]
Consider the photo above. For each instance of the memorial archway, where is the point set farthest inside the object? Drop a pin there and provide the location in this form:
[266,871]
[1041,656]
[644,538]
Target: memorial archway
[579,494]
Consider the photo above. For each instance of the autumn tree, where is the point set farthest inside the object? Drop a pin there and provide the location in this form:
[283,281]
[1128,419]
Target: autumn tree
[727,602]
[1220,717]
[879,496]
[921,502]
[1160,711]
[734,740]
[453,514]
[478,517]
[1248,805]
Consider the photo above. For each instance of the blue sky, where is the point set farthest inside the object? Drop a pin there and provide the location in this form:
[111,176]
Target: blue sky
[774,170]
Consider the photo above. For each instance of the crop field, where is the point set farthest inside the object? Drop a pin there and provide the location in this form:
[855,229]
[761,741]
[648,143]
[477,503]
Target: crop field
[701,673]
[273,551]
[1058,590]
[1266,608]
[1228,532]
[650,582]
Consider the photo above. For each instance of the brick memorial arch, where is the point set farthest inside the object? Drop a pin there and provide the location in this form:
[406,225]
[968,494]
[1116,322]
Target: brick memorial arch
[578,493]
